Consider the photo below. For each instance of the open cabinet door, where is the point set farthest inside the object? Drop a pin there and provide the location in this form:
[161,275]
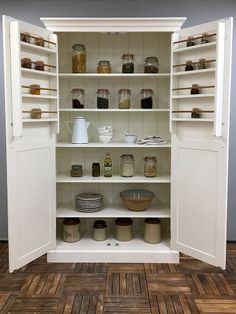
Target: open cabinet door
[200,145]
[30,142]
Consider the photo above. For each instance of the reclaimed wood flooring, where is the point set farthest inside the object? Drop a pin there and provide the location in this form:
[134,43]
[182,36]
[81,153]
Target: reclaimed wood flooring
[189,287]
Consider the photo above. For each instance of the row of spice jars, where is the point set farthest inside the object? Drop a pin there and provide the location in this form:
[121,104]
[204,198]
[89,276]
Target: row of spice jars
[35,65]
[103,95]
[152,230]
[32,39]
[201,65]
[191,41]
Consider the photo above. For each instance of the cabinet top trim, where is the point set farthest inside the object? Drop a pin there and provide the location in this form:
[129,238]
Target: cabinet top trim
[113,24]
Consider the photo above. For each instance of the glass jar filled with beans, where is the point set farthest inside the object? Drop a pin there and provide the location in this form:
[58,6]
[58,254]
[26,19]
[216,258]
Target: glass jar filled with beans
[78,58]
[104,66]
[150,166]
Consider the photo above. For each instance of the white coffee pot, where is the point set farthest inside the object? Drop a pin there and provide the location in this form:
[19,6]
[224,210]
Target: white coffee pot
[79,131]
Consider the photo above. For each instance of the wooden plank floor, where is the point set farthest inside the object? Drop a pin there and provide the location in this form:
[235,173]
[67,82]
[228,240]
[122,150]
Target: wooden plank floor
[189,287]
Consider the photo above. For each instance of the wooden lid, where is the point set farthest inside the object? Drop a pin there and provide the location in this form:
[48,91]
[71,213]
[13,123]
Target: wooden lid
[123,221]
[153,221]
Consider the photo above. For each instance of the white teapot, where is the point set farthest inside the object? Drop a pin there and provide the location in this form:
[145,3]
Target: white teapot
[79,131]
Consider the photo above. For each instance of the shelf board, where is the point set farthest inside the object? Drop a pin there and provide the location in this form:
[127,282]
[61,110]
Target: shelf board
[193,120]
[36,48]
[39,96]
[101,145]
[114,210]
[193,96]
[211,70]
[25,120]
[66,178]
[196,47]
[37,72]
[114,110]
[135,250]
[114,75]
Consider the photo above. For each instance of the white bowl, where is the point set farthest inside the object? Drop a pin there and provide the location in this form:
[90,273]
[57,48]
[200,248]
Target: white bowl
[105,129]
[105,138]
[105,132]
[130,139]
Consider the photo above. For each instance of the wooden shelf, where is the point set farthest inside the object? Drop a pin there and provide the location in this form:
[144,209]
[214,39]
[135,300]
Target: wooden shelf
[192,120]
[66,178]
[193,96]
[113,110]
[114,75]
[36,48]
[101,145]
[114,210]
[196,47]
[211,70]
[25,120]
[37,72]
[39,96]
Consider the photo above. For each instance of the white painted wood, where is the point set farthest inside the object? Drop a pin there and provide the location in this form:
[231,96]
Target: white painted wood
[37,72]
[109,145]
[194,48]
[193,96]
[112,110]
[114,75]
[38,49]
[39,120]
[39,96]
[193,120]
[194,72]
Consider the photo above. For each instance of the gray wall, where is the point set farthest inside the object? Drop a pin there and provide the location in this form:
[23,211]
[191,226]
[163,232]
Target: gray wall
[196,11]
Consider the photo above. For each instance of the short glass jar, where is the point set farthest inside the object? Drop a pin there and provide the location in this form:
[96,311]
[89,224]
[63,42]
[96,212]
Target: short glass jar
[205,39]
[77,95]
[152,230]
[78,58]
[99,230]
[96,169]
[146,98]
[26,63]
[25,37]
[128,60]
[196,113]
[127,165]
[124,229]
[36,113]
[39,65]
[195,89]
[150,166]
[35,89]
[189,66]
[71,230]
[39,41]
[102,98]
[190,41]
[151,65]
[124,98]
[76,171]
[202,64]
[104,66]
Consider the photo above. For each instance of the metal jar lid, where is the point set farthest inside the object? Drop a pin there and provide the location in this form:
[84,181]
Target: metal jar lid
[127,156]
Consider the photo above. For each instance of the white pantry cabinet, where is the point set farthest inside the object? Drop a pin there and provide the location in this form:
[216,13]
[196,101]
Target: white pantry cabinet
[191,185]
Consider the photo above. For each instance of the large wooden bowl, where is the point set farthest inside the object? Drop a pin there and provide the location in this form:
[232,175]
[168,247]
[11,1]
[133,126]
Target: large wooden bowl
[136,200]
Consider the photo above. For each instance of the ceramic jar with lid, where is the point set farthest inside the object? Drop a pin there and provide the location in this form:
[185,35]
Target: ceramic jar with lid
[127,165]
[124,229]
[128,63]
[152,230]
[99,230]
[150,166]
[71,230]
[77,95]
[124,98]
[78,58]
[104,66]
[151,65]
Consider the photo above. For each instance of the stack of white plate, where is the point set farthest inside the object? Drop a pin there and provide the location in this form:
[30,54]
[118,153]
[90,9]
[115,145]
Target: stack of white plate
[89,202]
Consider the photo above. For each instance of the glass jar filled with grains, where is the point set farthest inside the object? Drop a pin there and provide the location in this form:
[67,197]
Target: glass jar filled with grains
[77,95]
[36,113]
[146,98]
[104,66]
[102,98]
[128,63]
[151,65]
[78,58]
[127,165]
[150,166]
[35,89]
[124,98]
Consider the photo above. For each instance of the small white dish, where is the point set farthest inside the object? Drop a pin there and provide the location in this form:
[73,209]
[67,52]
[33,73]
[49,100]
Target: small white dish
[130,138]
[105,139]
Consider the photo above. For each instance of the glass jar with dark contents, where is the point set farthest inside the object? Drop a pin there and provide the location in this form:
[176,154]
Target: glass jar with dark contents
[102,98]
[76,171]
[39,65]
[190,42]
[205,39]
[195,89]
[128,63]
[146,98]
[189,66]
[196,113]
[26,63]
[151,65]
[96,169]
[77,95]
[25,37]
[202,64]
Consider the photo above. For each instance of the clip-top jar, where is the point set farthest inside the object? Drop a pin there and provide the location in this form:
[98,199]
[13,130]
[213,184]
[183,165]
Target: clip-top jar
[127,165]
[146,98]
[150,166]
[78,58]
[77,95]
[151,65]
[128,63]
[102,98]
[104,66]
[124,98]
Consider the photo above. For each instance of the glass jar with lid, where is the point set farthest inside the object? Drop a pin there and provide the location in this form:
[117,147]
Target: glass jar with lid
[127,165]
[150,166]
[102,98]
[78,58]
[128,63]
[146,98]
[77,95]
[104,66]
[124,98]
[151,65]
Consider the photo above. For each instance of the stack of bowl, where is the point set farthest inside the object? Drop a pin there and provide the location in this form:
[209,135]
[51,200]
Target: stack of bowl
[105,134]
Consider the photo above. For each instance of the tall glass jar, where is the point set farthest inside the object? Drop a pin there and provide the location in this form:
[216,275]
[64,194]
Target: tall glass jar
[150,166]
[78,58]
[127,165]
[146,98]
[128,63]
[124,98]
[77,95]
[151,65]
[102,98]
[104,66]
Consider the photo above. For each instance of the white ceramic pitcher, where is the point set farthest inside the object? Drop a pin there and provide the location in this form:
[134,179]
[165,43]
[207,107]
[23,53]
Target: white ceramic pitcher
[79,131]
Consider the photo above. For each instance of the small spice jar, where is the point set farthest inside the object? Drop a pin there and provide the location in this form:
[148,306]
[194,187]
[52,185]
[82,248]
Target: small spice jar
[39,65]
[146,98]
[196,113]
[76,171]
[39,41]
[35,89]
[127,165]
[124,229]
[152,230]
[205,39]
[96,169]
[124,98]
[99,230]
[77,95]
[104,66]
[78,58]
[36,113]
[195,89]
[71,230]
[190,42]
[202,64]
[189,66]
[102,98]
[128,63]
[25,37]
[26,63]
[151,65]
[150,166]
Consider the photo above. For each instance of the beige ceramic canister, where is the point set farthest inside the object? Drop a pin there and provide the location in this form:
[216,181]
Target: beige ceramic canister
[124,229]
[71,230]
[152,230]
